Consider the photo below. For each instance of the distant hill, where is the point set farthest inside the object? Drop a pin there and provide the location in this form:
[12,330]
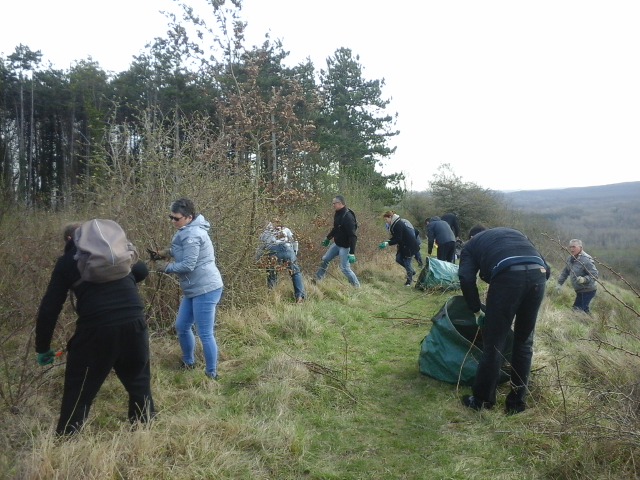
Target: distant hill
[606,218]
[607,196]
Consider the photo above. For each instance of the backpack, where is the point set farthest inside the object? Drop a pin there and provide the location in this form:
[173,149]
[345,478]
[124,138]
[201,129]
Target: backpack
[355,220]
[104,252]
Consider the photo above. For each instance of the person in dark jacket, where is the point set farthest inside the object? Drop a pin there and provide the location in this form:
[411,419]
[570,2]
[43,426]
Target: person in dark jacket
[344,236]
[418,255]
[582,271]
[439,231]
[452,220]
[404,236]
[516,274]
[111,333]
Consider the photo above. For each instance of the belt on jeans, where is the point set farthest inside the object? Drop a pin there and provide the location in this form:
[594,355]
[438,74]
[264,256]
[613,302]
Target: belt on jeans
[528,266]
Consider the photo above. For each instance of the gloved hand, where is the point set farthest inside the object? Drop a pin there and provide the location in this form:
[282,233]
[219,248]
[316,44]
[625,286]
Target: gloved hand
[479,318]
[46,358]
[352,258]
[326,242]
[582,280]
[160,265]
[383,245]
[158,255]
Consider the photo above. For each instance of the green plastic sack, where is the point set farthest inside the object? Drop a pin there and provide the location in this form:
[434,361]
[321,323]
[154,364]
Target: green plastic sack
[451,350]
[438,274]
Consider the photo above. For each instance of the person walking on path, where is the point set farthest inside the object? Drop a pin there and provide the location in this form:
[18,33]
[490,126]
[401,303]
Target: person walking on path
[111,334]
[278,248]
[439,232]
[516,274]
[582,270]
[345,238]
[403,235]
[194,262]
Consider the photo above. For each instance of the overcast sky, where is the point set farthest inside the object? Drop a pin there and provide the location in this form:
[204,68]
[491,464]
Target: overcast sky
[513,95]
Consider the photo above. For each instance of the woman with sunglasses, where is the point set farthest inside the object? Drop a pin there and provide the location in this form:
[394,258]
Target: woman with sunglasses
[194,263]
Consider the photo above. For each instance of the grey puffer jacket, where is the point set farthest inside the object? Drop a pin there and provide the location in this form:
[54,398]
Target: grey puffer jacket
[194,259]
[580,266]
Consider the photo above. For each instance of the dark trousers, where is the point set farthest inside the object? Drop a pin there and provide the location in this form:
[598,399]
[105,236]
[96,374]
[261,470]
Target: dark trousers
[447,252]
[511,294]
[91,355]
[583,299]
[406,263]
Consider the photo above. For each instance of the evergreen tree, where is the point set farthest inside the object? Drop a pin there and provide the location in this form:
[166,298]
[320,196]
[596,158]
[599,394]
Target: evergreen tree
[354,128]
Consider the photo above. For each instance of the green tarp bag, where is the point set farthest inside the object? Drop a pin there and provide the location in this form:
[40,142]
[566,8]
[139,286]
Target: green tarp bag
[438,274]
[451,350]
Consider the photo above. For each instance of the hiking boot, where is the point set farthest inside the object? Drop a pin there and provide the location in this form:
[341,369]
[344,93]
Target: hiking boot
[215,377]
[473,403]
[187,366]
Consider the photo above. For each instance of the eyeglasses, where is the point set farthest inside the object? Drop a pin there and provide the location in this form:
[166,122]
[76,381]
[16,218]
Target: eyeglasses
[175,219]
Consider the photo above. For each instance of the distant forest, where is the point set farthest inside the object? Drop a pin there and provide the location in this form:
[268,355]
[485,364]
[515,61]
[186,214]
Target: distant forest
[606,218]
[284,128]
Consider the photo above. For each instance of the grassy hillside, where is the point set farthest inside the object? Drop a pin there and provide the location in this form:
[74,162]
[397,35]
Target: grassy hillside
[330,389]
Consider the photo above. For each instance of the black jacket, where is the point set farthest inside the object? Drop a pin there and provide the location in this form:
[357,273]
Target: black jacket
[98,304]
[404,235]
[491,252]
[452,220]
[344,229]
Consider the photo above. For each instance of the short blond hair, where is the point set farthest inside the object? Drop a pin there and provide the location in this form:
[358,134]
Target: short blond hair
[388,214]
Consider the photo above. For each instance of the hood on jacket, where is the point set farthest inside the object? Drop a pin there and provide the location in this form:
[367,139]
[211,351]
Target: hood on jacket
[200,222]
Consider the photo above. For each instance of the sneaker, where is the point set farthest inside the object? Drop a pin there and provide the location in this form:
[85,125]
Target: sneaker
[187,366]
[407,283]
[471,402]
[300,300]
[215,377]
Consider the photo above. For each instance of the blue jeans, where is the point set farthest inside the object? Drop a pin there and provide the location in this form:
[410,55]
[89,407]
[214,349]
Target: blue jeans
[583,299]
[406,263]
[201,311]
[285,256]
[334,251]
[511,294]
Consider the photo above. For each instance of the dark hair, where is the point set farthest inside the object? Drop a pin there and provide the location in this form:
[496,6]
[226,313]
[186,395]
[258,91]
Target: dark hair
[340,198]
[184,206]
[476,229]
[69,230]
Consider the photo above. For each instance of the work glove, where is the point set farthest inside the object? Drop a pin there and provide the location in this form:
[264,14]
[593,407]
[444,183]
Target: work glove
[383,245]
[46,358]
[352,258]
[158,254]
[479,318]
[160,265]
[582,280]
[326,242]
